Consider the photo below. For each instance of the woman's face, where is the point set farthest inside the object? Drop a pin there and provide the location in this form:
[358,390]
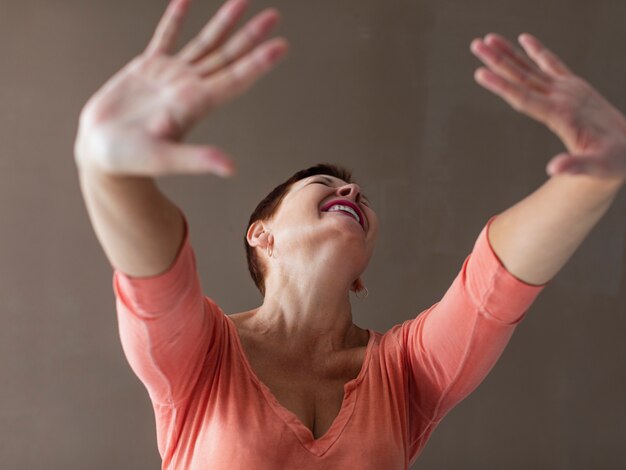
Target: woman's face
[306,231]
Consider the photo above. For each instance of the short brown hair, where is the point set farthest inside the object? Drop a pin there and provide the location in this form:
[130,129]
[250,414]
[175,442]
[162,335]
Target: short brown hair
[266,209]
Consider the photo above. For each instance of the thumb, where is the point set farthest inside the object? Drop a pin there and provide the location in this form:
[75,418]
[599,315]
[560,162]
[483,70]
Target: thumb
[564,163]
[176,158]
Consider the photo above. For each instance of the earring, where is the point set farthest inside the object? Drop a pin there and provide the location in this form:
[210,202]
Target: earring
[359,287]
[270,250]
[361,290]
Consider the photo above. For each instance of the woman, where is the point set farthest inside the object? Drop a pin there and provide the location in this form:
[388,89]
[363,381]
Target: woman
[295,383]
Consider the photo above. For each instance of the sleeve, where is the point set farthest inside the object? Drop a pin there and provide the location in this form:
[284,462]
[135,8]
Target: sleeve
[167,326]
[452,346]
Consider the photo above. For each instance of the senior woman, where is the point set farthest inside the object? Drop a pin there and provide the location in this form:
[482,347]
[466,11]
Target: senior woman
[295,383]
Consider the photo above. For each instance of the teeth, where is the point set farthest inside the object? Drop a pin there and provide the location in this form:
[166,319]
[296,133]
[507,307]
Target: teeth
[350,210]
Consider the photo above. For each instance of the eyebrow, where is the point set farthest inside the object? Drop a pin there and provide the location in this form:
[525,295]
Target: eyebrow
[328,180]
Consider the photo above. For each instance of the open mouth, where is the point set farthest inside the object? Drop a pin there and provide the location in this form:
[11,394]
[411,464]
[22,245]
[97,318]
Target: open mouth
[346,208]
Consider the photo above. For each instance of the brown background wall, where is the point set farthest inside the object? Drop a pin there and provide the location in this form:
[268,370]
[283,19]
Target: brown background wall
[383,87]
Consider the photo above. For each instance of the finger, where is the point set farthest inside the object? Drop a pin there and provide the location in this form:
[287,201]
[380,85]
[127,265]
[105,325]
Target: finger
[168,158]
[213,34]
[497,42]
[505,66]
[521,98]
[565,163]
[166,33]
[176,158]
[240,44]
[239,76]
[546,59]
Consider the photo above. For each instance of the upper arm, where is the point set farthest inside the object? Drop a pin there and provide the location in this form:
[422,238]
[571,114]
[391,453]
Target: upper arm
[167,326]
[452,346]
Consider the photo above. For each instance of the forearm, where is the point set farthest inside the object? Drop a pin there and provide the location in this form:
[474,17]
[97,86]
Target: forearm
[140,230]
[536,237]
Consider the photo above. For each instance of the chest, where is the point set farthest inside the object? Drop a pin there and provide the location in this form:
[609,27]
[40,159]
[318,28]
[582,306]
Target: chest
[313,393]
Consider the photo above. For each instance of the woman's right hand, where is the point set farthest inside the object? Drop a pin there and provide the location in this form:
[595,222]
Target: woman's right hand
[134,124]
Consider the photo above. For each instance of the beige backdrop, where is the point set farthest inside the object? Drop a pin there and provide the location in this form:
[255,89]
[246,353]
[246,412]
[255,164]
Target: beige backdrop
[383,87]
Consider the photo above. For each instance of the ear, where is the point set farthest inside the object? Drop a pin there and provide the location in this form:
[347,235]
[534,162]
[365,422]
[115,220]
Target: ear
[258,235]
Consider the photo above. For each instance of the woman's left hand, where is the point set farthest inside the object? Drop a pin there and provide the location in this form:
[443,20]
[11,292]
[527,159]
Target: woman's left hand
[544,88]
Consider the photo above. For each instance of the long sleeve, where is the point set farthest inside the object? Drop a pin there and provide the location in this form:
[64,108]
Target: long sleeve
[452,346]
[167,326]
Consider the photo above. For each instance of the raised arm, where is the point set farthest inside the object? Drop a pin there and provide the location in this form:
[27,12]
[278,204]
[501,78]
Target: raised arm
[131,130]
[537,236]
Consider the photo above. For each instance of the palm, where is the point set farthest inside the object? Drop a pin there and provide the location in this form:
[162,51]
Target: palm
[134,122]
[579,115]
[141,99]
[592,130]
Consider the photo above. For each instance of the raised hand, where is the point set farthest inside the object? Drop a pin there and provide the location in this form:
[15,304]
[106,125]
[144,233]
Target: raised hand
[544,88]
[134,124]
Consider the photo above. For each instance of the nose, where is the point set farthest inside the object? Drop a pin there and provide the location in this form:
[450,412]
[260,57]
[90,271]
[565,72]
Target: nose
[350,190]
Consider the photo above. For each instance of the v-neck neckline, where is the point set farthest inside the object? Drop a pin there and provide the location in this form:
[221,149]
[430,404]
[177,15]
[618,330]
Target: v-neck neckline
[320,445]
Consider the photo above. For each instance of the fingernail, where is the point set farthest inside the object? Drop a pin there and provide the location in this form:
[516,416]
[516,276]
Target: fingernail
[222,172]
[527,38]
[226,168]
[490,38]
[230,169]
[219,164]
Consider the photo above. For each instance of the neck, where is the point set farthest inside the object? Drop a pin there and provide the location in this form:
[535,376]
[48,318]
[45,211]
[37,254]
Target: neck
[312,313]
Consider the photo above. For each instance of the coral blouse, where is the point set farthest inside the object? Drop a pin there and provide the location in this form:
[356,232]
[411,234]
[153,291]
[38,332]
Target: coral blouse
[212,411]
